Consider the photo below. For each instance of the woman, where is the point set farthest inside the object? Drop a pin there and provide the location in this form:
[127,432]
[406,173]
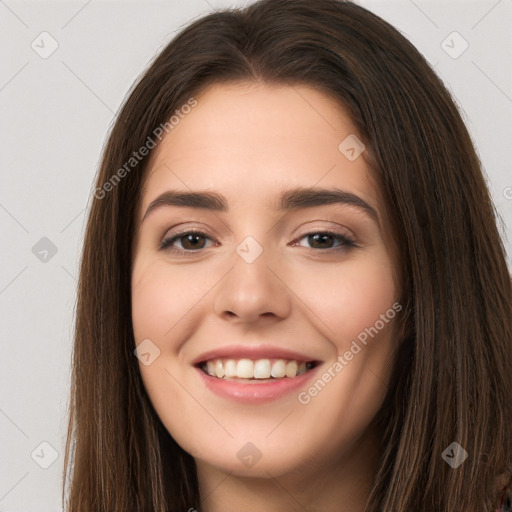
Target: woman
[264,369]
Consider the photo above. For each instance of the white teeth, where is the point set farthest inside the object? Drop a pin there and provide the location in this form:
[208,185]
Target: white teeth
[219,369]
[258,369]
[278,369]
[244,369]
[230,368]
[291,369]
[262,369]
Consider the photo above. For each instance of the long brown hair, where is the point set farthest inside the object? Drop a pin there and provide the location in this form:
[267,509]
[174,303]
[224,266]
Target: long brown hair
[452,378]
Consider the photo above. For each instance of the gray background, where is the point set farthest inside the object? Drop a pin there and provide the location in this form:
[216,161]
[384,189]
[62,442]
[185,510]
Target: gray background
[55,114]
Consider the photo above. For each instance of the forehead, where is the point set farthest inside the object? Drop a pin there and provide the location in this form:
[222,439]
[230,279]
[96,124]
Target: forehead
[251,141]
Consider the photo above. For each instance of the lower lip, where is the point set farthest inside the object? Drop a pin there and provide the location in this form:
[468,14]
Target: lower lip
[255,392]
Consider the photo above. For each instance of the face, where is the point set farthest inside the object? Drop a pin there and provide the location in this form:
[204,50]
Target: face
[297,290]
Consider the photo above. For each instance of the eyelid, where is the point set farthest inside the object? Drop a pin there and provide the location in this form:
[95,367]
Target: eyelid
[168,239]
[346,241]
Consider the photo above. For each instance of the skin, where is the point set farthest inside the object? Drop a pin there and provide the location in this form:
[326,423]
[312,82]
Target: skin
[250,142]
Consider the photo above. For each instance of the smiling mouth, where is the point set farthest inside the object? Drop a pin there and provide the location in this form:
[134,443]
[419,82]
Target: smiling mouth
[252,370]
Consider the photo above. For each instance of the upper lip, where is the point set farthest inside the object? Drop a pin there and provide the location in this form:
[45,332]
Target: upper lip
[252,352]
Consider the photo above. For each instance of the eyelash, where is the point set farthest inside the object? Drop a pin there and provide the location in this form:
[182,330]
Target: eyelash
[346,242]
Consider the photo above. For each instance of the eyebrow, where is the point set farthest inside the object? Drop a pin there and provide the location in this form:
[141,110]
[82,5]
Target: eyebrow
[294,199]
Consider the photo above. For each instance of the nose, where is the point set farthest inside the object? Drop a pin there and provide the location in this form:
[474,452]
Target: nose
[253,291]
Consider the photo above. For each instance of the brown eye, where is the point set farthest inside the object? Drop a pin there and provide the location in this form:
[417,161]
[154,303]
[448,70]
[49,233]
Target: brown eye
[189,240]
[324,239]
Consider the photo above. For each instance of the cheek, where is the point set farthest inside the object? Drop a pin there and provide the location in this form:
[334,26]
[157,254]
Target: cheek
[161,298]
[351,297]
[149,304]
